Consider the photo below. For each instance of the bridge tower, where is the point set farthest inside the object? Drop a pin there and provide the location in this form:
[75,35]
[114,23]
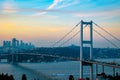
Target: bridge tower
[88,42]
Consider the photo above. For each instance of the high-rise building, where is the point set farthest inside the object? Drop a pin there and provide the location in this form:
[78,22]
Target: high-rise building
[4,43]
[14,42]
[17,43]
[21,43]
[9,43]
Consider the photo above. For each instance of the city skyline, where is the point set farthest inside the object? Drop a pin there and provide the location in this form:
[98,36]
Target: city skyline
[43,22]
[15,43]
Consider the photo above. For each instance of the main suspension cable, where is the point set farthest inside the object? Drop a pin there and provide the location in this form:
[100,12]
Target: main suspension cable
[71,37]
[106,39]
[107,32]
[66,35]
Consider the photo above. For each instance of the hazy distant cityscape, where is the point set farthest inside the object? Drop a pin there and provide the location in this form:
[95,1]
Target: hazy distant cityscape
[15,45]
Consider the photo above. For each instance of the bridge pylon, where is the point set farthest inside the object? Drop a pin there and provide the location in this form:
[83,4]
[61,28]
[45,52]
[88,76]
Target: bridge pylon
[88,42]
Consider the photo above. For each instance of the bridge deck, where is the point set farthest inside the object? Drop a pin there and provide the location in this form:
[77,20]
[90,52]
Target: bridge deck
[110,64]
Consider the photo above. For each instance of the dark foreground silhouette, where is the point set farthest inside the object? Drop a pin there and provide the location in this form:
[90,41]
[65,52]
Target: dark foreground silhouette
[6,77]
[71,77]
[109,77]
[24,77]
[11,77]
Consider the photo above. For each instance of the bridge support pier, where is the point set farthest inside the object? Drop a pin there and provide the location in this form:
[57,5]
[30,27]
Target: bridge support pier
[113,71]
[12,58]
[16,58]
[96,70]
[91,72]
[81,70]
[102,68]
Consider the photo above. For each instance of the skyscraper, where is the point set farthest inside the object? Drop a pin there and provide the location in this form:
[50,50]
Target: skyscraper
[17,43]
[14,42]
[4,43]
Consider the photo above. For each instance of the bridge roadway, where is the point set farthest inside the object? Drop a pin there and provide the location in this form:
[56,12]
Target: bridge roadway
[85,62]
[37,54]
[110,64]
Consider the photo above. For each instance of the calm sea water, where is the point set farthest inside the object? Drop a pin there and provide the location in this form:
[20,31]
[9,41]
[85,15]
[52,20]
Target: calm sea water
[56,70]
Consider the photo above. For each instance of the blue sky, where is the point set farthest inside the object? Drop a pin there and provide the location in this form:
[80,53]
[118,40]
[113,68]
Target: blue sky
[76,6]
[56,17]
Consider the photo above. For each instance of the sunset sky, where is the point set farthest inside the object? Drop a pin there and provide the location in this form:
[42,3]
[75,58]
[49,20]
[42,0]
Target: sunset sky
[43,22]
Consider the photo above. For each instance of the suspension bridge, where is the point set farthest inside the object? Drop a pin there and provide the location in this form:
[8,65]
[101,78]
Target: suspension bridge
[89,61]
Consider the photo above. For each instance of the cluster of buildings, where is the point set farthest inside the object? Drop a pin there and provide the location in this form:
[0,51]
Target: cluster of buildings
[17,44]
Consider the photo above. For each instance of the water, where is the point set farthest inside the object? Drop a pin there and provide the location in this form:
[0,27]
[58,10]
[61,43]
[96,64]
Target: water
[60,70]
[56,70]
[16,71]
